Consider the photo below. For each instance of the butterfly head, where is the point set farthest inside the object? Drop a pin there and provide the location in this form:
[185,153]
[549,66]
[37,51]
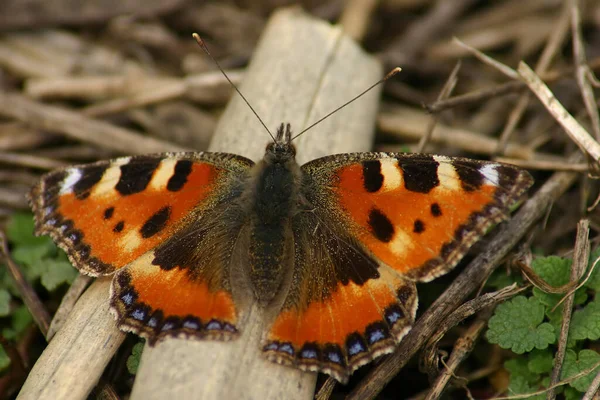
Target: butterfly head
[281,149]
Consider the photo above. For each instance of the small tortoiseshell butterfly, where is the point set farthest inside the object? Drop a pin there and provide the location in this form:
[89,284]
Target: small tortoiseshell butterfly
[331,249]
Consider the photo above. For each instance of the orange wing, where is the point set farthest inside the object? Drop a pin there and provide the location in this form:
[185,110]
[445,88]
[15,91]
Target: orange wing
[373,224]
[137,216]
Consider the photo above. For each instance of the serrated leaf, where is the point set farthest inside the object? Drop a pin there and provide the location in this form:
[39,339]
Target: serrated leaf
[4,359]
[19,230]
[519,385]
[4,302]
[133,361]
[31,255]
[576,363]
[540,361]
[517,325]
[555,271]
[585,323]
[57,272]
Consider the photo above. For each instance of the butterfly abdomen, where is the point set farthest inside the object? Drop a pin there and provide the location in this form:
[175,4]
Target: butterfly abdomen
[272,201]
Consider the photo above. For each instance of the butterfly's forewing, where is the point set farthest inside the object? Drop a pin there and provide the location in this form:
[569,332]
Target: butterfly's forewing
[134,215]
[374,223]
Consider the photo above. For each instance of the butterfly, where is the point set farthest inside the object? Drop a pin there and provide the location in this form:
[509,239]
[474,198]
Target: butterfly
[330,250]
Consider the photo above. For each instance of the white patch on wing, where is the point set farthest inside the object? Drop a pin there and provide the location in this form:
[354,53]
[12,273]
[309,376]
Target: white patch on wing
[401,243]
[163,173]
[490,172]
[130,241]
[73,176]
[110,178]
[447,174]
[392,179]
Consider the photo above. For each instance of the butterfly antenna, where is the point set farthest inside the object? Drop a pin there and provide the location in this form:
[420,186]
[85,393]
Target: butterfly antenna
[385,78]
[203,47]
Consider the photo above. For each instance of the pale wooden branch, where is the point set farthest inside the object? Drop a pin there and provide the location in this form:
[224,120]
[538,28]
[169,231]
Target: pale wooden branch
[357,16]
[410,123]
[580,263]
[72,124]
[583,70]
[302,69]
[74,360]
[575,131]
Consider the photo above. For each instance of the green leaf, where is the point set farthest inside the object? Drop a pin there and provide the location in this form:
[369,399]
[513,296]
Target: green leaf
[517,325]
[594,281]
[519,385]
[555,271]
[133,361]
[501,279]
[585,323]
[518,367]
[576,363]
[19,230]
[56,273]
[4,359]
[540,361]
[572,394]
[30,255]
[4,302]
[20,320]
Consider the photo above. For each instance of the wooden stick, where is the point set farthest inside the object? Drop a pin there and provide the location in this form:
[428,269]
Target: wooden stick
[73,362]
[72,124]
[302,69]
[571,126]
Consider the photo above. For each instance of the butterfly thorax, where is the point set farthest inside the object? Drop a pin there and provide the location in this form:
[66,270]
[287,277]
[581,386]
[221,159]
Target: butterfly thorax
[273,202]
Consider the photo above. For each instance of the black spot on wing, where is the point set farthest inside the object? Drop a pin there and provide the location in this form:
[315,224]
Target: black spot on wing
[90,176]
[419,226]
[380,225]
[182,169]
[372,177]
[136,175]
[108,213]
[156,222]
[119,227]
[419,173]
[468,172]
[436,210]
